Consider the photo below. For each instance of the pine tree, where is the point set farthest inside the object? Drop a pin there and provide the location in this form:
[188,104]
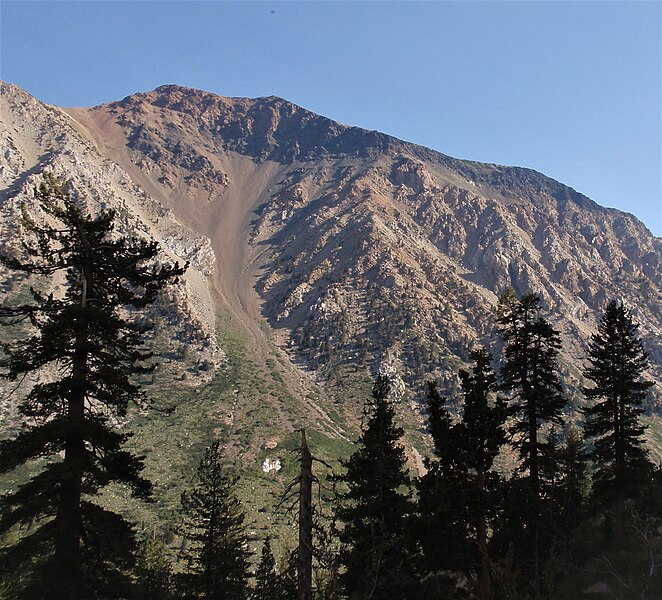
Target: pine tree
[442,515]
[617,360]
[288,585]
[153,570]
[460,494]
[571,490]
[85,354]
[375,509]
[213,524]
[267,583]
[481,435]
[529,373]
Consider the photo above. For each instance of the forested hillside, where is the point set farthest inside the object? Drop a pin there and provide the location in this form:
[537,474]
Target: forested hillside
[189,281]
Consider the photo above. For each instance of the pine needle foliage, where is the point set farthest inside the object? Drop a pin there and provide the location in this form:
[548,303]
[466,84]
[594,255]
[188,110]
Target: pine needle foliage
[267,582]
[85,354]
[217,552]
[529,374]
[617,361]
[460,496]
[375,510]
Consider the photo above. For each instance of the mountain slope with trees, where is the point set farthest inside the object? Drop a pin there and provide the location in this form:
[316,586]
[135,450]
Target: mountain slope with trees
[322,255]
[366,246]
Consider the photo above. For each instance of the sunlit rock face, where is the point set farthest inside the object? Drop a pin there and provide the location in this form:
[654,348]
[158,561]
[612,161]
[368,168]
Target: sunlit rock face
[360,250]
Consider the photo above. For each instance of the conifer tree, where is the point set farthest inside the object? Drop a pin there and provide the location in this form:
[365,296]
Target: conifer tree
[481,435]
[529,373]
[267,582]
[460,494]
[213,524]
[571,490]
[288,578]
[442,513]
[617,360]
[375,508]
[153,570]
[85,354]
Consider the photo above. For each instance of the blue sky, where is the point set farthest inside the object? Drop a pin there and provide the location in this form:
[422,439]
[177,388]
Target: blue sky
[572,89]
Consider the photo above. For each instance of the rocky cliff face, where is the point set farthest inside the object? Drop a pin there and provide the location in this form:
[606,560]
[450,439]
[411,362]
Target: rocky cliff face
[39,138]
[359,249]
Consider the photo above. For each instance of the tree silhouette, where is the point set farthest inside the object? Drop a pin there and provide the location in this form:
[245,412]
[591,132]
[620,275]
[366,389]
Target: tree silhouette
[617,360]
[529,373]
[460,495]
[267,583]
[571,489]
[213,525]
[375,509]
[85,353]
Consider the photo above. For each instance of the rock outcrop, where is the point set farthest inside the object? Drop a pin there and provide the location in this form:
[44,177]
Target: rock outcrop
[360,249]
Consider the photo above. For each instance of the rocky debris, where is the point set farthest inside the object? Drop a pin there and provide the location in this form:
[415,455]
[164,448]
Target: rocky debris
[271,465]
[397,386]
[196,251]
[412,174]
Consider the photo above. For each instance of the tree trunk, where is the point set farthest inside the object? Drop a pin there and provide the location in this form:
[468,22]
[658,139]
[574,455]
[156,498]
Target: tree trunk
[69,519]
[69,525]
[484,577]
[619,474]
[534,488]
[305,551]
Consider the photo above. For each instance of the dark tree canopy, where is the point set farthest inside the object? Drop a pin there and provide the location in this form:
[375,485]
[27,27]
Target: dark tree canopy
[375,508]
[617,361]
[213,525]
[529,374]
[571,486]
[267,584]
[85,353]
[460,495]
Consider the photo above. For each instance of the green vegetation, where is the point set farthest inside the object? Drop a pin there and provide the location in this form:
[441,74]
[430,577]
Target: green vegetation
[569,516]
[73,543]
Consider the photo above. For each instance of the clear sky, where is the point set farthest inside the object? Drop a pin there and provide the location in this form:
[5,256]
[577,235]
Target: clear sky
[572,89]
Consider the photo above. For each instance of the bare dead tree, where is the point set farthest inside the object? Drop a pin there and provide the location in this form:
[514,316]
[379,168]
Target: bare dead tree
[299,495]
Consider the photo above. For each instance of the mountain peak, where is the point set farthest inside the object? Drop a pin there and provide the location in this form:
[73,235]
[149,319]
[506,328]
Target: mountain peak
[264,128]
[350,243]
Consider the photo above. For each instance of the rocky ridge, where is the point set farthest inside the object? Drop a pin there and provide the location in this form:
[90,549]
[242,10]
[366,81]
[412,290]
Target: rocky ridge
[39,138]
[361,251]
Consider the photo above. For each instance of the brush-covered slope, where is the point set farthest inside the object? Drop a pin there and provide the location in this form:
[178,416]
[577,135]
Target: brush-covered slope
[219,374]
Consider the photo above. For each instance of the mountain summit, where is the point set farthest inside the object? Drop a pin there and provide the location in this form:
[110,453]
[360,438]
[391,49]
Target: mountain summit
[362,252]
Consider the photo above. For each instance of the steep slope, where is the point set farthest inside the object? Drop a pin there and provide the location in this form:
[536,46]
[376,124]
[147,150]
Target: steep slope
[39,138]
[340,251]
[370,249]
[241,389]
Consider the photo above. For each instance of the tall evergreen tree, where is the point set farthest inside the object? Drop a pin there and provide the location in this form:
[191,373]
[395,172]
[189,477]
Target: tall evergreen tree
[572,486]
[442,514]
[213,524]
[529,373]
[267,583]
[376,507]
[481,434]
[617,360]
[85,353]
[460,494]
[153,570]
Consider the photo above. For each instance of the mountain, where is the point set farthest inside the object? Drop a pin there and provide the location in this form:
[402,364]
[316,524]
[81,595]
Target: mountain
[321,253]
